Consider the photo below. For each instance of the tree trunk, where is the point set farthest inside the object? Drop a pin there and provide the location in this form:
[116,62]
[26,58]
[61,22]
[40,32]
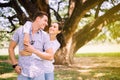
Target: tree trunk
[83,36]
[65,55]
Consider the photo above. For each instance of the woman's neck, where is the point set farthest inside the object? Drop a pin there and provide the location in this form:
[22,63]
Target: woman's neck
[52,37]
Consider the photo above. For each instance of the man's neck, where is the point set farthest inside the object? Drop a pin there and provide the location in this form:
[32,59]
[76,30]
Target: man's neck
[34,28]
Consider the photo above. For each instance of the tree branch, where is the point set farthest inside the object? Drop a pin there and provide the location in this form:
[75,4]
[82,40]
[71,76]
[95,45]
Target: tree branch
[20,14]
[30,6]
[98,9]
[78,13]
[58,17]
[10,20]
[6,4]
[91,30]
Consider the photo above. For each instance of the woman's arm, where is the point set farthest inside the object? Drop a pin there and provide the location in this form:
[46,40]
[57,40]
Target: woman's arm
[47,55]
[26,29]
[26,40]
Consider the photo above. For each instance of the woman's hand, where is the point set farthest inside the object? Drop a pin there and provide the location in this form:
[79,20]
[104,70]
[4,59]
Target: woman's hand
[25,53]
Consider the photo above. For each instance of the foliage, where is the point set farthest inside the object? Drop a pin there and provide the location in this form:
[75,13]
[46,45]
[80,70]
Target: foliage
[5,38]
[110,33]
[114,29]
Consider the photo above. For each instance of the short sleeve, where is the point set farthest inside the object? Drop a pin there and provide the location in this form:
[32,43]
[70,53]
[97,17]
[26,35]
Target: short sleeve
[47,42]
[15,36]
[26,27]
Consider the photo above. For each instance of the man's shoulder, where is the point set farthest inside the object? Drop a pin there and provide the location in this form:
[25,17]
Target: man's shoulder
[44,33]
[18,30]
[28,23]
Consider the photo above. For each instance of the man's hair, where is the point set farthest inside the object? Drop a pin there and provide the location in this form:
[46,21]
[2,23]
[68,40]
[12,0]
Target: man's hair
[39,14]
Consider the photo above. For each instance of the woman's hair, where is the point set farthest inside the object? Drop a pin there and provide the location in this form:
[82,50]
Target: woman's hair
[60,36]
[39,14]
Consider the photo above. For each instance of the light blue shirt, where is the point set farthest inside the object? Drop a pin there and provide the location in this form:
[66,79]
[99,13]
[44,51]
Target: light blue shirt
[48,65]
[31,66]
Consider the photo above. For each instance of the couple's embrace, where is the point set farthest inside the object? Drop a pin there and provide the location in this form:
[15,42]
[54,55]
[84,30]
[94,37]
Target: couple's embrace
[36,48]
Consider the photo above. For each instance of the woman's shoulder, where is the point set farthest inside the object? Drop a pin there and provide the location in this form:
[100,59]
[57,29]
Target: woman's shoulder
[56,42]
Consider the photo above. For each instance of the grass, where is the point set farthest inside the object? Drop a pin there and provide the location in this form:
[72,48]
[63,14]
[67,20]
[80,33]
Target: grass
[92,66]
[88,74]
[3,57]
[98,54]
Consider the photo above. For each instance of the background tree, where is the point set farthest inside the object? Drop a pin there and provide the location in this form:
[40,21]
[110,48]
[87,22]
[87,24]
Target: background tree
[77,10]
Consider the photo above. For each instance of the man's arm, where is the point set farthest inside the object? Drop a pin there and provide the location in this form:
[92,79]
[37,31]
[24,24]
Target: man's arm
[26,29]
[12,53]
[12,56]
[26,40]
[47,55]
[26,43]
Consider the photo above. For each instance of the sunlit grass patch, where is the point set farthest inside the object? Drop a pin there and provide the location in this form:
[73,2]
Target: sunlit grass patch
[103,73]
[6,71]
[98,54]
[8,76]
[92,67]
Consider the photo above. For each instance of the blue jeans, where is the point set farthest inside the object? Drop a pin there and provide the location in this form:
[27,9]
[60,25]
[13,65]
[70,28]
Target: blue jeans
[40,77]
[49,76]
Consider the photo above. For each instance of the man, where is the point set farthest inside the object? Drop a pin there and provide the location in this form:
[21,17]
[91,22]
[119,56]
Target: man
[29,67]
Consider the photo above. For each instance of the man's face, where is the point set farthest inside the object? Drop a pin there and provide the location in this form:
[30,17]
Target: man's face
[43,22]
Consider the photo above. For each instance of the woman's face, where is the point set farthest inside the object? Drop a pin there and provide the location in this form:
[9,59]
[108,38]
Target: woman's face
[54,29]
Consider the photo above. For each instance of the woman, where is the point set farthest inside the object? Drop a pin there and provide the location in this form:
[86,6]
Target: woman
[57,41]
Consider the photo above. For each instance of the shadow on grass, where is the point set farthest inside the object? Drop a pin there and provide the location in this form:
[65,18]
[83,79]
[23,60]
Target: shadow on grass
[104,73]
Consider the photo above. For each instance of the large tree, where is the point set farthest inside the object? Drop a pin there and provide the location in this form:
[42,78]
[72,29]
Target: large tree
[75,38]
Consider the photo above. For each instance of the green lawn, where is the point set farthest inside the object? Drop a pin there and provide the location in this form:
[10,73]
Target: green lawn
[112,54]
[93,66]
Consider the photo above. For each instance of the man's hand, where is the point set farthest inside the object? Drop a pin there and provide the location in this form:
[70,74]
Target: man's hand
[29,48]
[18,69]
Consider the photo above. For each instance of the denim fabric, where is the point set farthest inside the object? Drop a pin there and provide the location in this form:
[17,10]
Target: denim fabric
[39,77]
[49,76]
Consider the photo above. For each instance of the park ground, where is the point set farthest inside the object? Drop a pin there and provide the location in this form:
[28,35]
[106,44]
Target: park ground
[103,63]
